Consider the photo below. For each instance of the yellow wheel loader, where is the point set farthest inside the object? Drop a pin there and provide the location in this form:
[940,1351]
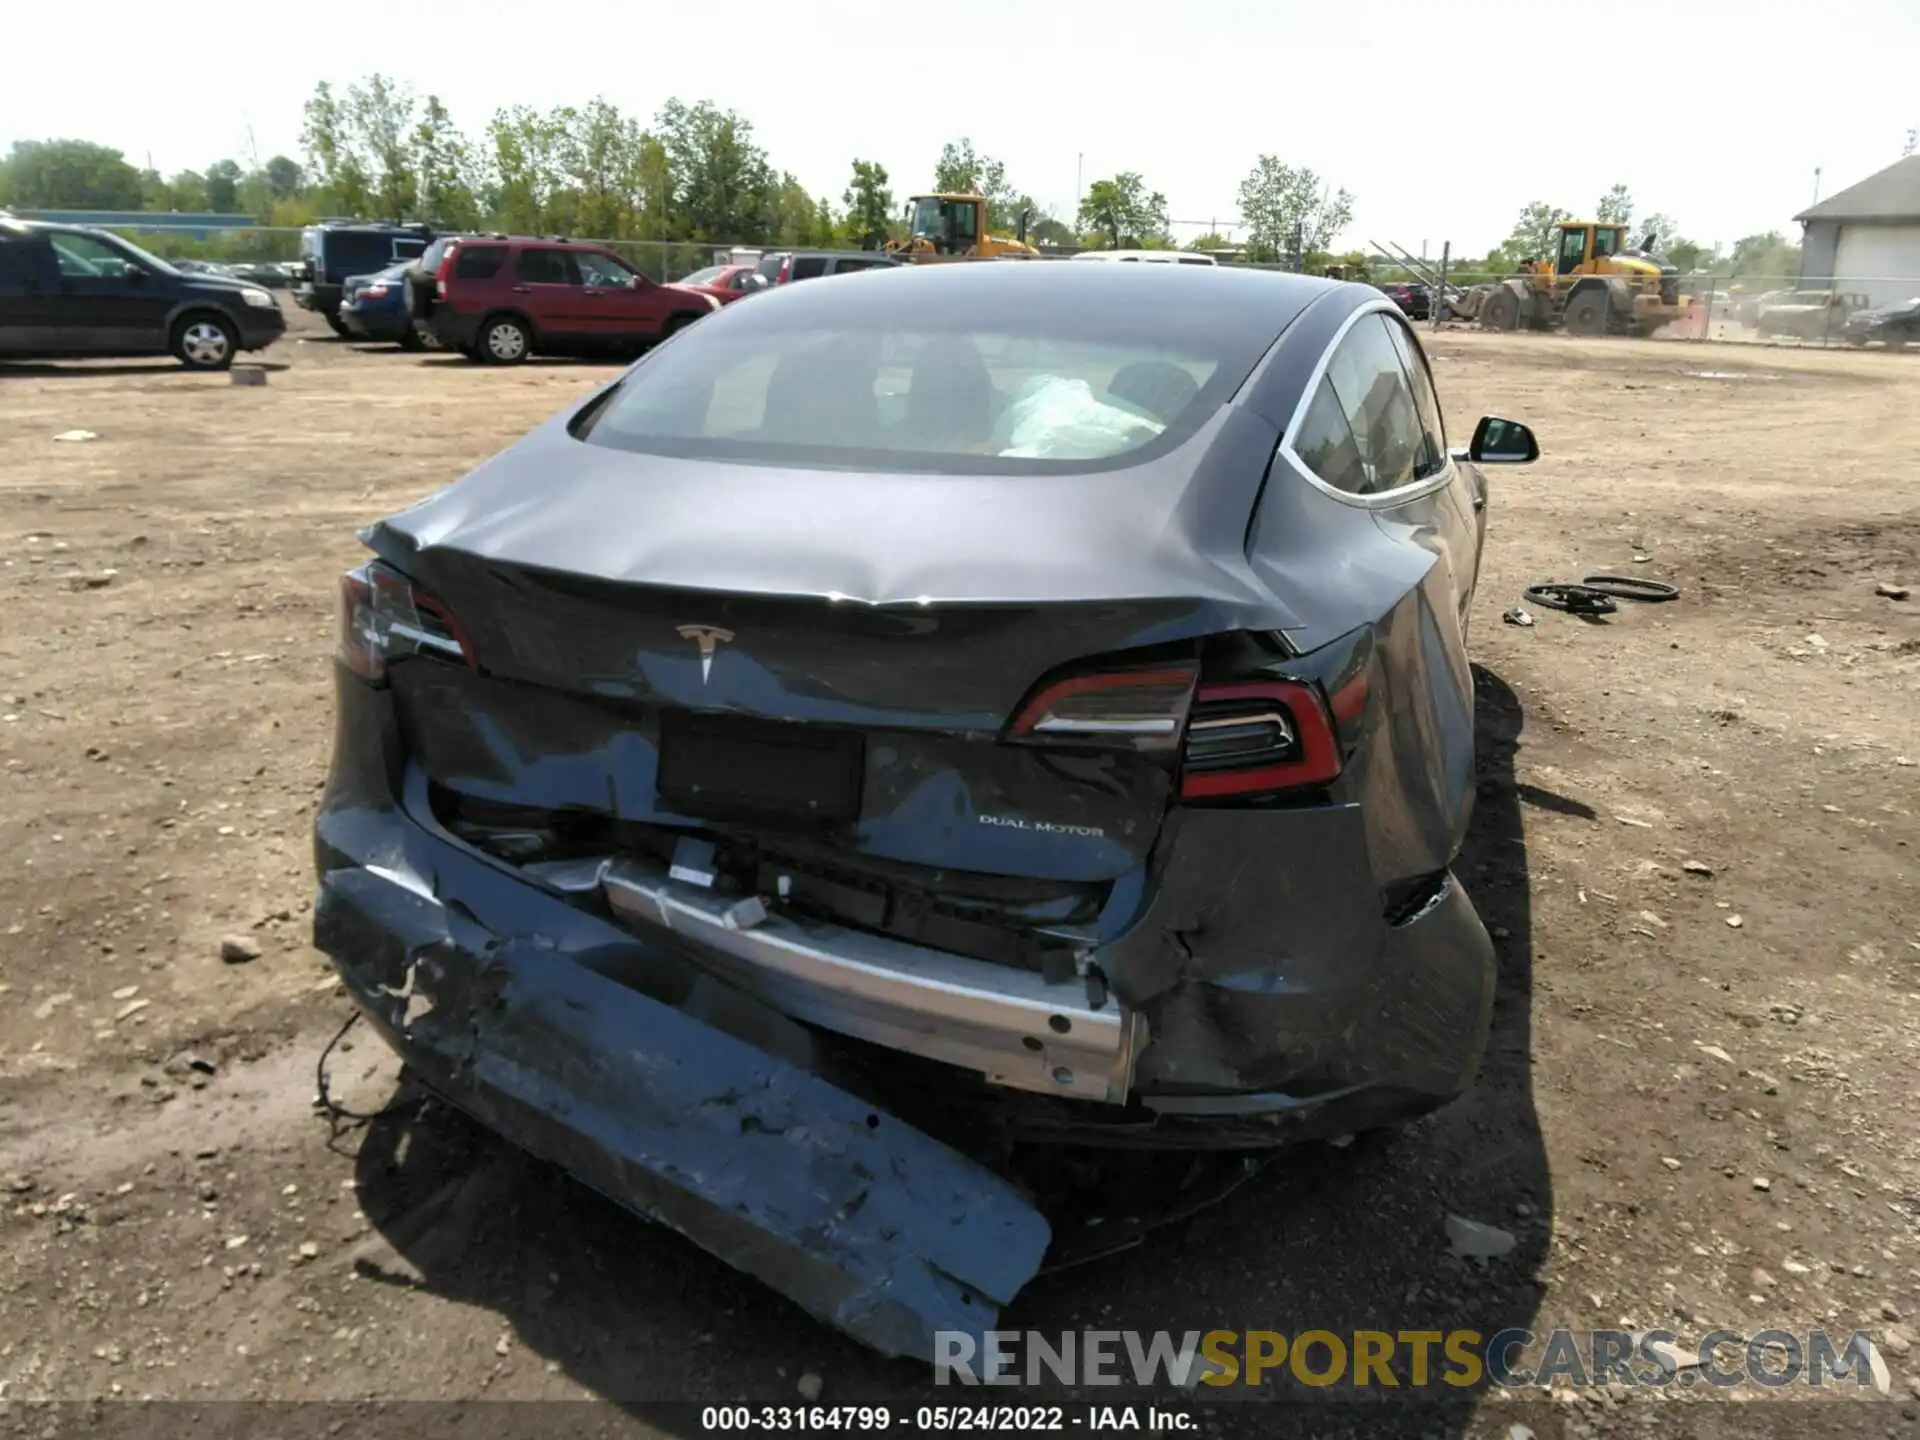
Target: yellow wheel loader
[954,227]
[1595,284]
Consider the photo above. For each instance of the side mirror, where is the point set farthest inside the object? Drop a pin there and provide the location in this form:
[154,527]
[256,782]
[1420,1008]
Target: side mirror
[1502,442]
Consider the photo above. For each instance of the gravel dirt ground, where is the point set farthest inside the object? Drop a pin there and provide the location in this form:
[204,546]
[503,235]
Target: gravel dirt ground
[1694,843]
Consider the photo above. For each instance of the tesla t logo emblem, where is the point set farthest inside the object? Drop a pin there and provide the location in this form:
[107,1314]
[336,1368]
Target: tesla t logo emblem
[707,637]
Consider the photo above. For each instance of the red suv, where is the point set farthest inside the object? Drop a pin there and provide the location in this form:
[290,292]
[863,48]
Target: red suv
[500,298]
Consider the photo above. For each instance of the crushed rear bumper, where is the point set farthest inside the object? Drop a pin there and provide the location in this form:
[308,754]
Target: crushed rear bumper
[673,1095]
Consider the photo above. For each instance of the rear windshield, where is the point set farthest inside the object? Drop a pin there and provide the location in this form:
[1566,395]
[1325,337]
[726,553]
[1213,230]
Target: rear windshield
[478,262]
[890,372]
[704,277]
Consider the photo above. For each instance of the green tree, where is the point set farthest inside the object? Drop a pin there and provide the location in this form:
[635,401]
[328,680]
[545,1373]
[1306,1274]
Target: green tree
[284,177]
[1123,212]
[68,175]
[1045,229]
[1768,259]
[961,170]
[1284,205]
[1534,235]
[380,114]
[793,212]
[526,149]
[223,187]
[328,138]
[723,187]
[869,202]
[187,191]
[444,169]
[1615,207]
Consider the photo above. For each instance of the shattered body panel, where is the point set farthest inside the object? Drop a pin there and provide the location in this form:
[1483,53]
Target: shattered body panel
[879,894]
[614,1061]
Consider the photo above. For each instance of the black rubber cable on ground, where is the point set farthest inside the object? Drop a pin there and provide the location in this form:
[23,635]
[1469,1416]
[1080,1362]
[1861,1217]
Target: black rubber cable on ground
[1574,599]
[1631,587]
[332,1106]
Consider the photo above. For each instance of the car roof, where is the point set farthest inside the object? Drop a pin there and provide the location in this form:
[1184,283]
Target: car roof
[1253,304]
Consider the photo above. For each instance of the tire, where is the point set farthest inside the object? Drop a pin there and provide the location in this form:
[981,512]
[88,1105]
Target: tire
[1586,313]
[675,324]
[204,340]
[336,324]
[1499,311]
[503,340]
[411,339]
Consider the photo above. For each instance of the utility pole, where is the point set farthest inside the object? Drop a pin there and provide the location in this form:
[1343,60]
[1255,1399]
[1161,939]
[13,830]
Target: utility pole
[1816,184]
[1079,171]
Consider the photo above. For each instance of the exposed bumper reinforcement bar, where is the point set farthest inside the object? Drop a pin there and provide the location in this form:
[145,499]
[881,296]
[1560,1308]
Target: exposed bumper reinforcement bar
[1009,1025]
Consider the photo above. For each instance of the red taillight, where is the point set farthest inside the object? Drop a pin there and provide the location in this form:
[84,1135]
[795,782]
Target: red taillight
[1256,737]
[383,618]
[1139,708]
[786,271]
[374,292]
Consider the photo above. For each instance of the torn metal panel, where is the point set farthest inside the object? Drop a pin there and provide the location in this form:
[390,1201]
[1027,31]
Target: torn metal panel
[865,1222]
[1009,1025]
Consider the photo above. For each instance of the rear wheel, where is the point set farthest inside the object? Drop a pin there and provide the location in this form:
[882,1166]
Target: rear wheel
[335,323]
[204,341]
[504,340]
[412,339]
[1500,310]
[1586,313]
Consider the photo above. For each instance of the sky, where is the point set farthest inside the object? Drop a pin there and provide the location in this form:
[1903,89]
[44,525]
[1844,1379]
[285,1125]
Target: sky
[1443,121]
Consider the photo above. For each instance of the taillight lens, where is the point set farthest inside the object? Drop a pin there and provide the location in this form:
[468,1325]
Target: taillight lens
[1256,737]
[383,618]
[1142,709]
[375,292]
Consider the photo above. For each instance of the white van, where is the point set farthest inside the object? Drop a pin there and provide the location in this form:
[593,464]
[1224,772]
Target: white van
[1151,257]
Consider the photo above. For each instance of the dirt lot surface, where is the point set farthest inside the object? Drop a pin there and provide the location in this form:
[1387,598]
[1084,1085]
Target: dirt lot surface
[1695,840]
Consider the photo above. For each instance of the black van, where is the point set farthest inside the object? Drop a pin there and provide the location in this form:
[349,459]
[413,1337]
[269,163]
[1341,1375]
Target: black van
[72,292]
[334,251]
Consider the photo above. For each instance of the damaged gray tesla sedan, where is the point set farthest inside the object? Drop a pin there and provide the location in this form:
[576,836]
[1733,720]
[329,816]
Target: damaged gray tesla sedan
[1013,700]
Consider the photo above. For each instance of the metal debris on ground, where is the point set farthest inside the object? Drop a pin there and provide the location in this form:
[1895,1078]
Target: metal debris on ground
[1474,1241]
[1517,616]
[76,435]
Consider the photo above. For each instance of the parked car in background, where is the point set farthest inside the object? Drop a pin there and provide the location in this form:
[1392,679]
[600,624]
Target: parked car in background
[374,307]
[1815,315]
[981,727]
[499,299]
[71,292]
[729,282]
[783,267]
[1415,301]
[1896,326]
[1148,257]
[334,251]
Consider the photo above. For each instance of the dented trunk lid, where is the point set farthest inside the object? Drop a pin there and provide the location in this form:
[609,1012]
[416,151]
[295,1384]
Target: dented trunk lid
[814,656]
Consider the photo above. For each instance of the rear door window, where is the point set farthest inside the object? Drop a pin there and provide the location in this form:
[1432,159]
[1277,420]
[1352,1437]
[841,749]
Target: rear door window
[478,262]
[1434,452]
[544,266]
[23,261]
[808,267]
[1384,443]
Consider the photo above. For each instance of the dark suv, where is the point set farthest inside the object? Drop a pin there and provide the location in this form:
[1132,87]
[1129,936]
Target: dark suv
[501,298]
[1415,301]
[333,252]
[782,267]
[70,292]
